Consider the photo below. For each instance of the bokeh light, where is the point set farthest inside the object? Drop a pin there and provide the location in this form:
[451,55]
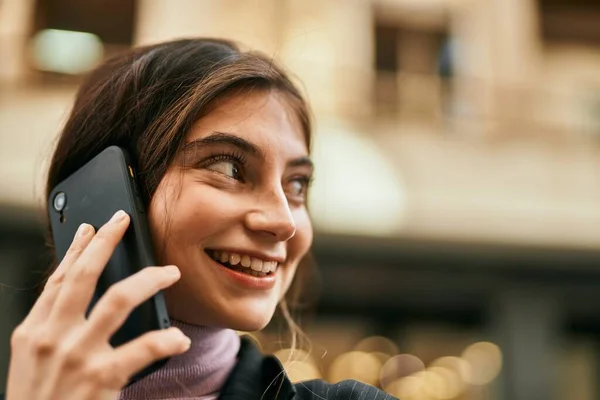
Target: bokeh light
[382,357]
[408,387]
[400,366]
[358,365]
[377,344]
[485,359]
[457,364]
[443,383]
[66,52]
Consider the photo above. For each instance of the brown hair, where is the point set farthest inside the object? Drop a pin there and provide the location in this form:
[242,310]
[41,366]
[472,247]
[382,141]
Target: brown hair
[147,99]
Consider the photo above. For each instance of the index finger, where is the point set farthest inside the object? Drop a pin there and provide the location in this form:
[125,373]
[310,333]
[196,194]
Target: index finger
[42,307]
[80,241]
[81,281]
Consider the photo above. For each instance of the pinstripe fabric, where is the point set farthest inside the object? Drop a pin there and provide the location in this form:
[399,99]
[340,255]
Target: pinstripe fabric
[344,390]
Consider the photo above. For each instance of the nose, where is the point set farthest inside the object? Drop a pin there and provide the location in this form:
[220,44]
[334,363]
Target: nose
[272,216]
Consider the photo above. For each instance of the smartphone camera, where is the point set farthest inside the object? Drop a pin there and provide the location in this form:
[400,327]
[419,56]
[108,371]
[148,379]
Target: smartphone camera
[60,200]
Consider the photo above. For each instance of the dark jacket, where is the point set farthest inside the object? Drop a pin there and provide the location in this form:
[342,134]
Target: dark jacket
[261,377]
[257,376]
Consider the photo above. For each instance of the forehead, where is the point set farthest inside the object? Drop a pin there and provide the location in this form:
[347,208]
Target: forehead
[264,118]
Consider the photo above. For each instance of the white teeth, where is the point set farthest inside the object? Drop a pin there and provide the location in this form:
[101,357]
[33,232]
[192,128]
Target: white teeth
[269,266]
[256,265]
[234,259]
[246,261]
[224,257]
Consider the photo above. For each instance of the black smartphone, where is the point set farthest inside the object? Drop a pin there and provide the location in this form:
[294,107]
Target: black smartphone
[103,186]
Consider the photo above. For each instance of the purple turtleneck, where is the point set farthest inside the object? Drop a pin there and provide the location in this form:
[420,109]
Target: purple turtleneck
[198,374]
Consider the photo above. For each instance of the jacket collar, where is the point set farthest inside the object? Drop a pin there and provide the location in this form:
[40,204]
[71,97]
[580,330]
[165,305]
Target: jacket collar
[257,376]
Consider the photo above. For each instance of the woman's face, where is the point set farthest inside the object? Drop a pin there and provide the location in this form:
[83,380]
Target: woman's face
[231,213]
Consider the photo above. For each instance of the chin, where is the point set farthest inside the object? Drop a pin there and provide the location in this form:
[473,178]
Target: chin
[245,322]
[248,324]
[247,317]
[240,314]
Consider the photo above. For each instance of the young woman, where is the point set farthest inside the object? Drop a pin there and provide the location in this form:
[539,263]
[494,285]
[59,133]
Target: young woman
[221,139]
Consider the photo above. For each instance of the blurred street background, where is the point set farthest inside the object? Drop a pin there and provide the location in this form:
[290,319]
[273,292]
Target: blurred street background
[457,192]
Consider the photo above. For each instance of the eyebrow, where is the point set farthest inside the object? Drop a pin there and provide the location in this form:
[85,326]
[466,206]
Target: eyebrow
[301,162]
[223,138]
[226,139]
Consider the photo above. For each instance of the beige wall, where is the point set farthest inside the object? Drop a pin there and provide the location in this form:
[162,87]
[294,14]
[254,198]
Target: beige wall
[15,25]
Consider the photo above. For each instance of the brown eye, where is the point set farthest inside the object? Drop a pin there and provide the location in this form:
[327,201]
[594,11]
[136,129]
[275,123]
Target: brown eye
[297,188]
[228,168]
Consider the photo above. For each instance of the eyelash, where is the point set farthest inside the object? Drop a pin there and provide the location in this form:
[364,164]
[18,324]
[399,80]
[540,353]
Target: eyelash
[237,158]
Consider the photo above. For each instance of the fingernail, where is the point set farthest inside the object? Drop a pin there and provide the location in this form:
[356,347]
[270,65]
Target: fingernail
[172,270]
[118,217]
[82,231]
[186,342]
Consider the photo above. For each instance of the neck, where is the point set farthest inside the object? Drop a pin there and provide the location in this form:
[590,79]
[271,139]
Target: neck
[201,371]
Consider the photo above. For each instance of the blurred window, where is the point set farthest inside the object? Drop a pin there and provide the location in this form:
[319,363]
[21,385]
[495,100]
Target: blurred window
[71,37]
[386,68]
[570,21]
[113,21]
[386,45]
[411,63]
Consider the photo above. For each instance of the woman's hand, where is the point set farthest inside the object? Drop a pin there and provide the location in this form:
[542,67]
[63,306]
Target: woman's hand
[58,354]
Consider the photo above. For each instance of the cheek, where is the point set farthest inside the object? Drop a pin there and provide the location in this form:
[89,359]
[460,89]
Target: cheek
[188,212]
[158,214]
[178,215]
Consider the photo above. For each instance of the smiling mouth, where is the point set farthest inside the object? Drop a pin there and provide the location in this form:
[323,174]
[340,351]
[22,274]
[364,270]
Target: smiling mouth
[244,263]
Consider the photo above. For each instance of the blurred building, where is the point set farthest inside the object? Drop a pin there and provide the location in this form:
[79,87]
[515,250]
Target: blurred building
[457,195]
